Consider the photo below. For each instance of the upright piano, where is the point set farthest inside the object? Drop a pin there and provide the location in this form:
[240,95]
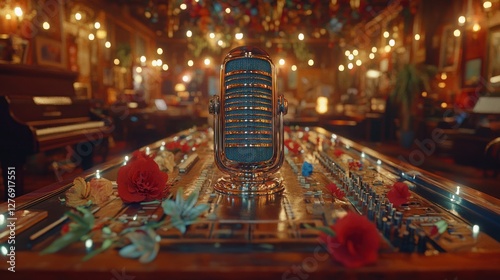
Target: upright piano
[40,111]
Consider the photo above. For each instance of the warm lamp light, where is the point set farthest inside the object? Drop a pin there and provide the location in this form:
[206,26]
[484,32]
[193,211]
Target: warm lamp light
[322,105]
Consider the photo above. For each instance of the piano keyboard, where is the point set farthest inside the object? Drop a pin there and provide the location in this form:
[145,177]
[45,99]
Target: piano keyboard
[67,128]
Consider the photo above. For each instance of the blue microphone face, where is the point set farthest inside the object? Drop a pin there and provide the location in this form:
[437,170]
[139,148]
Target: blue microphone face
[248,110]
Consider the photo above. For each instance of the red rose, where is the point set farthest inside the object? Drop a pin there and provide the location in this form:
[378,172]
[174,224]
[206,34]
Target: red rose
[399,194]
[335,191]
[141,179]
[356,241]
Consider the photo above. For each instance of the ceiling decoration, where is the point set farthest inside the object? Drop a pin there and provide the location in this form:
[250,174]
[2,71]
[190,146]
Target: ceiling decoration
[285,24]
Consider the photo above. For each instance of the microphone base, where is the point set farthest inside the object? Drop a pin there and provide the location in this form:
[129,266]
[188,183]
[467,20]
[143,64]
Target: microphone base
[267,186]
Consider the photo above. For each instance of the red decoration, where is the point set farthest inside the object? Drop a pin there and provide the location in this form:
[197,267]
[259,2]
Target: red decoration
[335,191]
[399,194]
[338,152]
[356,241]
[292,146]
[141,179]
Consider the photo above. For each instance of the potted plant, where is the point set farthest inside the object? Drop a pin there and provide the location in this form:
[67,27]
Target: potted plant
[411,80]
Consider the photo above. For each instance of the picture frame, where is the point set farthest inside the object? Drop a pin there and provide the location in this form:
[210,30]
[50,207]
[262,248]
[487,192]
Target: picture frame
[450,49]
[472,72]
[494,60]
[50,52]
[6,49]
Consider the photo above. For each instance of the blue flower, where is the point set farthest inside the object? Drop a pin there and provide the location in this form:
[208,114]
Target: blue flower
[144,244]
[307,169]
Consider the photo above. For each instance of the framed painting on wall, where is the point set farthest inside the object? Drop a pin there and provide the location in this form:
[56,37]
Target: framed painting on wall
[50,52]
[450,49]
[472,73]
[494,60]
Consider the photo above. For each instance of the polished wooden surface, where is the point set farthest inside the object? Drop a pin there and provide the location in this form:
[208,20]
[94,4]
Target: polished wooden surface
[224,260]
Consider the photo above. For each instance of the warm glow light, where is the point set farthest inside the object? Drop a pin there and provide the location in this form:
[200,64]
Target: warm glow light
[190,63]
[371,55]
[228,10]
[142,59]
[476,27]
[351,57]
[138,69]
[159,51]
[341,68]
[238,36]
[461,20]
[91,37]
[456,33]
[281,62]
[18,11]
[97,25]
[392,43]
[444,105]
[46,25]
[495,79]
[444,76]
[164,67]
[211,35]
[417,37]
[180,87]
[374,49]
[350,65]
[153,63]
[183,6]
[189,33]
[138,79]
[424,94]
[220,43]
[386,34]
[8,17]
[373,73]
[347,53]
[301,36]
[355,52]
[310,62]
[322,105]
[159,62]
[294,67]
[358,62]
[441,85]
[207,61]
[107,44]
[116,61]
[78,16]
[186,78]
[487,5]
[387,48]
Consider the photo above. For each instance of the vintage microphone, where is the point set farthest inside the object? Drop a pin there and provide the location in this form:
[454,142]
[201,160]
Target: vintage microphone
[248,124]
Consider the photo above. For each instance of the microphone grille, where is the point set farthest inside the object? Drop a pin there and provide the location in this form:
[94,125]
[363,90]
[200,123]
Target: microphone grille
[248,109]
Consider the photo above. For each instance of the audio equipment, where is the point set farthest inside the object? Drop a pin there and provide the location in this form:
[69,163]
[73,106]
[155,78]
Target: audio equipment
[248,124]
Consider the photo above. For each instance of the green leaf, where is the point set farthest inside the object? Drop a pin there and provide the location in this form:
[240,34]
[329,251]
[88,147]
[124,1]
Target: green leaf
[169,207]
[191,200]
[196,211]
[65,240]
[179,199]
[326,230]
[77,219]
